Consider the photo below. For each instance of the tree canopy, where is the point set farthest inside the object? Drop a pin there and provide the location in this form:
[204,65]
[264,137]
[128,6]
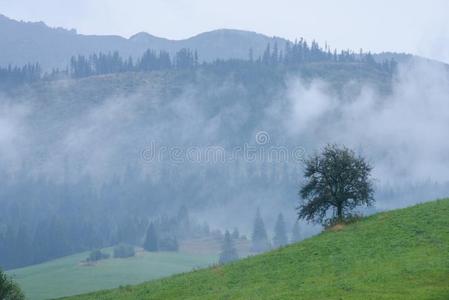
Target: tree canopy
[337,181]
[9,290]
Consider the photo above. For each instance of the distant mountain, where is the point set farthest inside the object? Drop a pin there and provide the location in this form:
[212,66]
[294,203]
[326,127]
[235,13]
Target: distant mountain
[23,42]
[29,42]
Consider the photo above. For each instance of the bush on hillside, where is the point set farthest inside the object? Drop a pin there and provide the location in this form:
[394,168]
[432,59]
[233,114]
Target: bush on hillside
[97,255]
[124,251]
[9,290]
[168,244]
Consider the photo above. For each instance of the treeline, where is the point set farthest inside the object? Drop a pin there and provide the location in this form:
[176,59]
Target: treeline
[13,75]
[260,241]
[292,55]
[98,64]
[43,219]
[300,52]
[79,219]
[22,245]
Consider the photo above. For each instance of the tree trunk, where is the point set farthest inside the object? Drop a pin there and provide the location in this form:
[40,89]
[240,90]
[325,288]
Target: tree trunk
[340,212]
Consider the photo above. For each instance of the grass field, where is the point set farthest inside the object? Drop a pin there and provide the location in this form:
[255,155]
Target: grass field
[66,276]
[402,254]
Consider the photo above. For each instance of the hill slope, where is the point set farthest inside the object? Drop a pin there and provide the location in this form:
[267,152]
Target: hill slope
[402,254]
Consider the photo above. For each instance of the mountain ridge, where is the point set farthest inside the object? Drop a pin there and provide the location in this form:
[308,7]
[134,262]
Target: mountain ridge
[24,42]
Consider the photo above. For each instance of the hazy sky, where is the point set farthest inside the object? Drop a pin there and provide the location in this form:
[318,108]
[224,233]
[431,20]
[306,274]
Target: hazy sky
[415,26]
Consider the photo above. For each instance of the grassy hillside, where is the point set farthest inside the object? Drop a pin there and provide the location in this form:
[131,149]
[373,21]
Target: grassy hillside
[68,276]
[402,254]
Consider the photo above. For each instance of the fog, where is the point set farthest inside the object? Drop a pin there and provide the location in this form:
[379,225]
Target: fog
[402,134]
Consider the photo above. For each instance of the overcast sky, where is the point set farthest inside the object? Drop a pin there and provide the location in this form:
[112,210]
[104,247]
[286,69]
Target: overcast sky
[414,26]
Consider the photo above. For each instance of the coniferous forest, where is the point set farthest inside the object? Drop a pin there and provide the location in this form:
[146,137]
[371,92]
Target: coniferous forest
[287,168]
[292,56]
[65,217]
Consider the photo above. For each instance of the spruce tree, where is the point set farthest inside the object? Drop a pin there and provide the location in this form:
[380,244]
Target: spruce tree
[235,234]
[260,241]
[228,251]
[151,240]
[296,236]
[183,222]
[280,234]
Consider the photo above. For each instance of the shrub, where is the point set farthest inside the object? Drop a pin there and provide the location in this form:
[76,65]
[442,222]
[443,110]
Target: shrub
[151,239]
[9,290]
[97,255]
[124,251]
[168,244]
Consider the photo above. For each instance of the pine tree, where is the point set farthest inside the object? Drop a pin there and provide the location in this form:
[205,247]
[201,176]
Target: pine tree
[168,243]
[296,236]
[275,54]
[228,251]
[151,240]
[183,222]
[251,55]
[235,234]
[266,58]
[260,241]
[280,235]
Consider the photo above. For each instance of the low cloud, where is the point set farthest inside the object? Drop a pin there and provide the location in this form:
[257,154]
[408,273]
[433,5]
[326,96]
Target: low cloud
[403,134]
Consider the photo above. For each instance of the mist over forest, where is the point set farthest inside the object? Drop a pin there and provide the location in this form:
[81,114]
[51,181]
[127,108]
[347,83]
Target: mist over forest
[97,145]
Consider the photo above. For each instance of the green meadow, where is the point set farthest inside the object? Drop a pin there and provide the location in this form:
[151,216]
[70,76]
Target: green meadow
[69,276]
[401,254]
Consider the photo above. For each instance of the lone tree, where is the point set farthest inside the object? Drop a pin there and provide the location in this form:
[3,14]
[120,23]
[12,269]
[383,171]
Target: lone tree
[151,242]
[280,235]
[336,179]
[228,252]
